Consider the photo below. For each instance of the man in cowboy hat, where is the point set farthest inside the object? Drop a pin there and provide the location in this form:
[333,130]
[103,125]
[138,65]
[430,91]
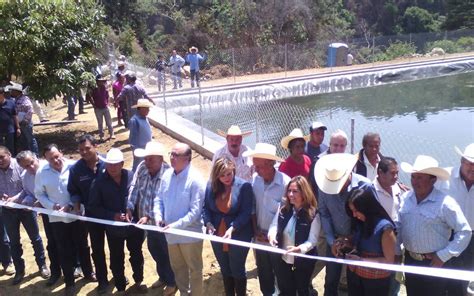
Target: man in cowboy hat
[130,95]
[194,58]
[315,145]
[335,179]
[108,200]
[146,181]
[461,187]
[99,99]
[140,129]
[234,150]
[297,164]
[24,110]
[269,187]
[427,219]
[178,205]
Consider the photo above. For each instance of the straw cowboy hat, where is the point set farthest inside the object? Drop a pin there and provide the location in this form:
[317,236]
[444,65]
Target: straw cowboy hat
[332,171]
[425,165]
[263,150]
[151,148]
[113,156]
[143,103]
[234,130]
[15,86]
[193,48]
[468,152]
[295,134]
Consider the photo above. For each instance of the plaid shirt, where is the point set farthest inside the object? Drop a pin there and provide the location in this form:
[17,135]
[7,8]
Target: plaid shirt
[10,180]
[24,109]
[143,191]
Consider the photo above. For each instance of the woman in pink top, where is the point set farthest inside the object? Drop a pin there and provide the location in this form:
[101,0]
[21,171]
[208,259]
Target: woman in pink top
[116,89]
[297,164]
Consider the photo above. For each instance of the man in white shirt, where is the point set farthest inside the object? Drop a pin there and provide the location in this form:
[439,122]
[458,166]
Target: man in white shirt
[461,187]
[51,191]
[234,150]
[388,191]
[269,187]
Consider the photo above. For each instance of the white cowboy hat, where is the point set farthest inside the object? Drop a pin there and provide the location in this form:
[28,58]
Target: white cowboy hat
[263,150]
[193,47]
[425,165]
[468,152]
[113,156]
[234,130]
[317,125]
[332,171]
[143,103]
[151,148]
[295,134]
[15,86]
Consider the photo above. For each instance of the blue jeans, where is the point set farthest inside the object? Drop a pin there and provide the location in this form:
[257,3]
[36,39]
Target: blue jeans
[8,140]
[5,252]
[158,248]
[27,140]
[13,219]
[333,274]
[176,80]
[232,262]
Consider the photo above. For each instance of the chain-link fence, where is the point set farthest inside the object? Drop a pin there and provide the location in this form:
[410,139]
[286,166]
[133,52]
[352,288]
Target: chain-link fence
[236,64]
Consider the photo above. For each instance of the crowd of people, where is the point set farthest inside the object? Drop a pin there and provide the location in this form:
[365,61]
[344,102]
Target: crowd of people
[318,201]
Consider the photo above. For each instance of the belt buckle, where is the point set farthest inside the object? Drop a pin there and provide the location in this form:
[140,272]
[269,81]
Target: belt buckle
[416,256]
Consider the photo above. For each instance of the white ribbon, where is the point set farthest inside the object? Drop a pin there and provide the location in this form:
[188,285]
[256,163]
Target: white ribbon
[428,271]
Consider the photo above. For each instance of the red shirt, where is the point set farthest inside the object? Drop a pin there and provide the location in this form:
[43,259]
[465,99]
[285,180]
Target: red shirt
[293,169]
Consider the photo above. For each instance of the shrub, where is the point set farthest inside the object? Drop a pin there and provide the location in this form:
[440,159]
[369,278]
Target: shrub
[447,45]
[397,49]
[465,43]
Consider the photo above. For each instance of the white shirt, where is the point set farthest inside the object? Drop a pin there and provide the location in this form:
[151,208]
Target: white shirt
[456,187]
[371,170]
[390,202]
[51,188]
[243,165]
[289,240]
[268,198]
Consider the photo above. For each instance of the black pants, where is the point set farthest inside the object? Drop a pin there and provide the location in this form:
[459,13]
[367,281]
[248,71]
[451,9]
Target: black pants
[116,239]
[465,261]
[293,279]
[421,284]
[63,236]
[52,248]
[81,246]
[358,286]
[97,236]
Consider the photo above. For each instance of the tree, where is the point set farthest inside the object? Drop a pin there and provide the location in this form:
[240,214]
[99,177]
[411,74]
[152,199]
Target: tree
[418,20]
[50,45]
[460,14]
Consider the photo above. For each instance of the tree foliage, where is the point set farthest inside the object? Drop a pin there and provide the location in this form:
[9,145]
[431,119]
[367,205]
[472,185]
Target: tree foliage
[49,45]
[419,20]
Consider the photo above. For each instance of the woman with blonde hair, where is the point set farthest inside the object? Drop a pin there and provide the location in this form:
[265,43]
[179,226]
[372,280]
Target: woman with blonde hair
[295,228]
[227,213]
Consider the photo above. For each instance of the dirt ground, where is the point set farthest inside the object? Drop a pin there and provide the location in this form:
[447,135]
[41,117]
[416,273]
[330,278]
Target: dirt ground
[64,136]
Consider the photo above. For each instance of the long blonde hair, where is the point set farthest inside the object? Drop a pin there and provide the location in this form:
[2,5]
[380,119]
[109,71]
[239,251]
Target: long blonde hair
[309,205]
[220,166]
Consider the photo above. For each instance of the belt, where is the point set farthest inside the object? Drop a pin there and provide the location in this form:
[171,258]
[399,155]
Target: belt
[420,257]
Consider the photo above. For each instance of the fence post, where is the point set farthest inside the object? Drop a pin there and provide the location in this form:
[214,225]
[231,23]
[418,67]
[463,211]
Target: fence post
[286,60]
[256,118]
[164,99]
[373,51]
[352,134]
[233,63]
[201,120]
